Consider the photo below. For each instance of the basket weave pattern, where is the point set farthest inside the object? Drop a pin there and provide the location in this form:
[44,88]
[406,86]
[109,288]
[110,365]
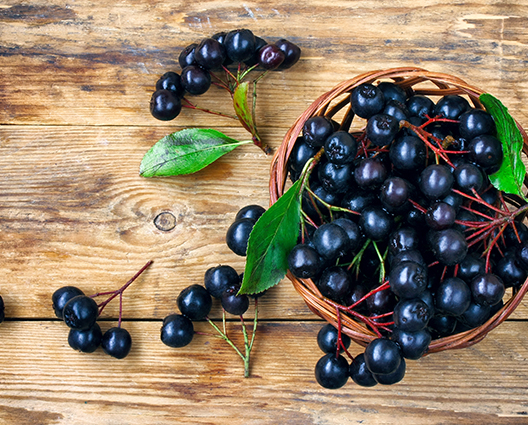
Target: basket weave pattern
[337,101]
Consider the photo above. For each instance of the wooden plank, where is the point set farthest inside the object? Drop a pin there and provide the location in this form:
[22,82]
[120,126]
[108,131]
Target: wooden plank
[48,383]
[75,64]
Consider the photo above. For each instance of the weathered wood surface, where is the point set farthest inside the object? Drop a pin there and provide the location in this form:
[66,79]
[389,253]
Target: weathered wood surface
[75,83]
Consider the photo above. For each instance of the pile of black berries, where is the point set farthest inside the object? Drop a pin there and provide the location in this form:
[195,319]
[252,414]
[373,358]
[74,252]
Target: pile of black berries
[402,229]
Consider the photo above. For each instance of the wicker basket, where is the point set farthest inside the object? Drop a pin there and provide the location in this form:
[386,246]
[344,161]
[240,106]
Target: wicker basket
[335,103]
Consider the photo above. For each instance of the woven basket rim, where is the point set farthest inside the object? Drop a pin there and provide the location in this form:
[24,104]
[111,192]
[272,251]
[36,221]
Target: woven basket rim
[406,77]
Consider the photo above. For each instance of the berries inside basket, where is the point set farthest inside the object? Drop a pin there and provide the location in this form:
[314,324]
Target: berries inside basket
[412,195]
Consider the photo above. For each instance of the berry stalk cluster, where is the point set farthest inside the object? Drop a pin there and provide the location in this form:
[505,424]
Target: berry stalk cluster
[402,229]
[221,282]
[80,313]
[223,60]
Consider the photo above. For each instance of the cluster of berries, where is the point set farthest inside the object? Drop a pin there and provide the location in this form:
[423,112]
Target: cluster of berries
[199,61]
[221,282]
[402,229]
[80,313]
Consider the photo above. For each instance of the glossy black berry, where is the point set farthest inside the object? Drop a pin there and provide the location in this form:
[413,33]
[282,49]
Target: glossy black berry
[239,45]
[370,173]
[330,241]
[382,129]
[335,178]
[250,211]
[411,315]
[331,372]
[171,81]
[408,153]
[195,80]
[327,339]
[381,302]
[408,279]
[299,155]
[334,283]
[468,177]
[486,151]
[359,372]
[412,255]
[397,110]
[394,377]
[392,91]
[233,303]
[316,130]
[413,345]
[442,325]
[403,239]
[476,315]
[85,341]
[356,200]
[218,279]
[451,106]
[436,181]
[420,106]
[270,56]
[340,148]
[394,193]
[210,54]
[352,231]
[440,216]
[449,246]
[510,270]
[367,100]
[186,57]
[382,356]
[476,122]
[304,261]
[238,235]
[80,312]
[292,53]
[453,296]
[165,105]
[487,289]
[376,223]
[177,330]
[61,296]
[195,302]
[117,342]
[254,59]
[471,266]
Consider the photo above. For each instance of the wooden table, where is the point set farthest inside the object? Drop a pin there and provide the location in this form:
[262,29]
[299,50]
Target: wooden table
[74,124]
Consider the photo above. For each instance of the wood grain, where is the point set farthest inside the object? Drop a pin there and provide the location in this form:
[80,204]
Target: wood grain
[74,124]
[202,383]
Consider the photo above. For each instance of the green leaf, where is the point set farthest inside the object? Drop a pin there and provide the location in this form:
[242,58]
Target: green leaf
[510,176]
[271,240]
[240,104]
[186,152]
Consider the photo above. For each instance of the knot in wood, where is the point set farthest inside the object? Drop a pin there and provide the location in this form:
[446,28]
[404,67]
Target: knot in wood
[165,221]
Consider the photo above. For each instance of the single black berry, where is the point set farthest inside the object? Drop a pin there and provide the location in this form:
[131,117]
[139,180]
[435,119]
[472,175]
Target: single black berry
[327,338]
[177,330]
[292,53]
[171,81]
[340,148]
[116,342]
[195,80]
[316,130]
[61,296]
[239,45]
[270,56]
[367,100]
[218,279]
[80,312]
[238,235]
[453,296]
[304,261]
[382,129]
[195,302]
[86,340]
[233,303]
[165,105]
[332,372]
[382,356]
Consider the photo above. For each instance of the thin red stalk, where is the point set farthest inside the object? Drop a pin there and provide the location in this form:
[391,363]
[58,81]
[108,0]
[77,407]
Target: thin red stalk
[503,203]
[443,274]
[480,201]
[122,289]
[487,217]
[418,206]
[209,111]
[382,287]
[434,263]
[455,271]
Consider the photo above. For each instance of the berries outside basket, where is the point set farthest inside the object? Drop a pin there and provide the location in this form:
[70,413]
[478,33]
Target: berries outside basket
[336,103]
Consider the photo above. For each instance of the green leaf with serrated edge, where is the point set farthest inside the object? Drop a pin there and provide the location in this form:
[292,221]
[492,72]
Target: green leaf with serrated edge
[271,240]
[240,104]
[510,176]
[186,152]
